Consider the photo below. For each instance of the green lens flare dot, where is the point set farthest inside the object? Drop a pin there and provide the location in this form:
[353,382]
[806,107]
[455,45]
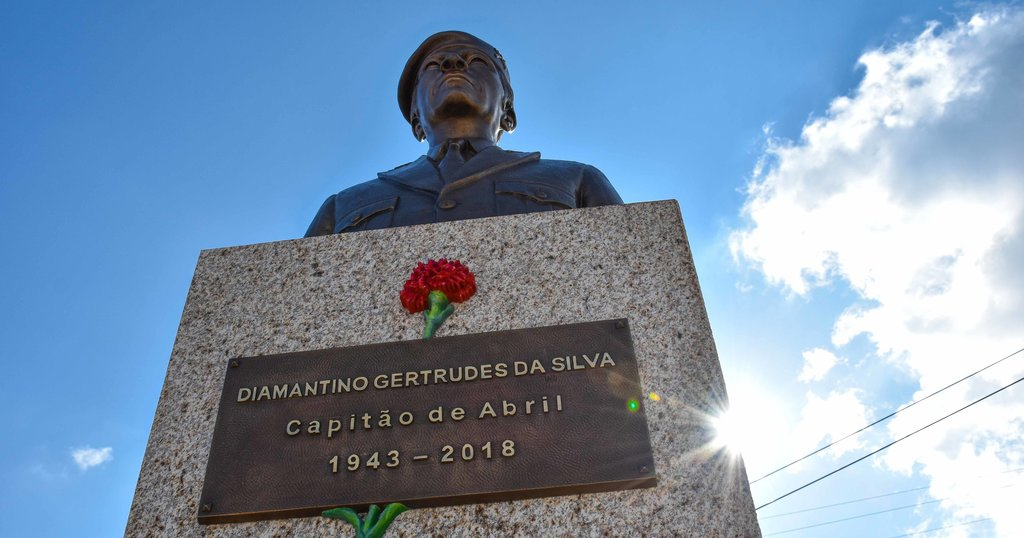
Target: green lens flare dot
[633,405]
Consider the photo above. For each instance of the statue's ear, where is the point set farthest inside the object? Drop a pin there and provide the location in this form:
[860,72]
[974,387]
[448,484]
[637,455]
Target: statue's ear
[508,118]
[417,127]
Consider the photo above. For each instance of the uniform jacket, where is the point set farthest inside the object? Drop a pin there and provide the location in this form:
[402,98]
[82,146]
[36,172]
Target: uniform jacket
[493,182]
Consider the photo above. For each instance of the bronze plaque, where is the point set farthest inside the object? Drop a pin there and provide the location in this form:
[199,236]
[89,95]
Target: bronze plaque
[474,418]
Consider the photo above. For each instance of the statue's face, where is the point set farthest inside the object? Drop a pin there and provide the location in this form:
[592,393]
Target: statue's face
[459,81]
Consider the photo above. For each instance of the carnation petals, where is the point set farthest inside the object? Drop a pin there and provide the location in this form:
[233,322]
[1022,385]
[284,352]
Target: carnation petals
[414,296]
[450,277]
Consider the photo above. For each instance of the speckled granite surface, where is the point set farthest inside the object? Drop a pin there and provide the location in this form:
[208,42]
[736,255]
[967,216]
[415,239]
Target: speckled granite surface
[532,270]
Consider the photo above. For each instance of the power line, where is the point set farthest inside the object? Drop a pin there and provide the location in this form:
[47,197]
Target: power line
[933,529]
[822,507]
[887,417]
[933,501]
[862,499]
[834,521]
[868,455]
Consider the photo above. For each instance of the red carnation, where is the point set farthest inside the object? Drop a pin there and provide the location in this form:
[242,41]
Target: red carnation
[448,276]
[414,295]
[431,288]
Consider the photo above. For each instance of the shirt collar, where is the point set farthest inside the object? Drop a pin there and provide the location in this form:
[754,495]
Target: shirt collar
[476,145]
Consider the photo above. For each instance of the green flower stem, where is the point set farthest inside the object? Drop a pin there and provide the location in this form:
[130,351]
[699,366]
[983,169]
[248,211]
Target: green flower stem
[438,311]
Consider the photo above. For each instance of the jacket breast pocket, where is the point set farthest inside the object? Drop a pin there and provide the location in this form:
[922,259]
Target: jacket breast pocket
[525,196]
[367,216]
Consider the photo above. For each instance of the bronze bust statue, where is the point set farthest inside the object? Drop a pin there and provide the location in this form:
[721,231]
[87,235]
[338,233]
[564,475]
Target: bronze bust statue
[455,93]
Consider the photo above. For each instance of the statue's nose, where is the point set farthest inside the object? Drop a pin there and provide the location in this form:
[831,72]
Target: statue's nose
[453,62]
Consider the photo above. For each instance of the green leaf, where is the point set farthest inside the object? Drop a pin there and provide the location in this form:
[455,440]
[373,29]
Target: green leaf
[346,514]
[390,513]
[371,517]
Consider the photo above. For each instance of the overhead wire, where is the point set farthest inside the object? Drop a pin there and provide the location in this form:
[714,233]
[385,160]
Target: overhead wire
[860,516]
[824,506]
[886,417]
[862,499]
[876,451]
[933,529]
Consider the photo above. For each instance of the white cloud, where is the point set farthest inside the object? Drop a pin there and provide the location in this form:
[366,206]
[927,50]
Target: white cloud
[46,474]
[830,419]
[88,457]
[911,191]
[817,363]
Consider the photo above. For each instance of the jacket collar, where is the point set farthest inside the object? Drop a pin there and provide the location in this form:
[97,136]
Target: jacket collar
[476,144]
[421,174]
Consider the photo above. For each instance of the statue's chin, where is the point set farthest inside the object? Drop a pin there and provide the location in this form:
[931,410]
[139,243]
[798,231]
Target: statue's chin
[458,104]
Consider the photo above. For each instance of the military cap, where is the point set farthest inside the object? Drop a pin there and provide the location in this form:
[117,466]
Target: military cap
[407,84]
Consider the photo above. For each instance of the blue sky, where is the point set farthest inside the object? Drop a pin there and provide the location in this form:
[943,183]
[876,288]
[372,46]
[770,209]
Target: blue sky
[849,175]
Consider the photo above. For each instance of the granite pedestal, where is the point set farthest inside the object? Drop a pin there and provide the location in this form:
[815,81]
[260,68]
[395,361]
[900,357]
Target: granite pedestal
[532,270]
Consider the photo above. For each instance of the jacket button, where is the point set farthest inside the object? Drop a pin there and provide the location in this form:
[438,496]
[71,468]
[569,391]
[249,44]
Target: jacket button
[542,194]
[446,204]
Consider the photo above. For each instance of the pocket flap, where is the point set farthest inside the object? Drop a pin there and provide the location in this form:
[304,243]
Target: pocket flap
[366,211]
[539,192]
